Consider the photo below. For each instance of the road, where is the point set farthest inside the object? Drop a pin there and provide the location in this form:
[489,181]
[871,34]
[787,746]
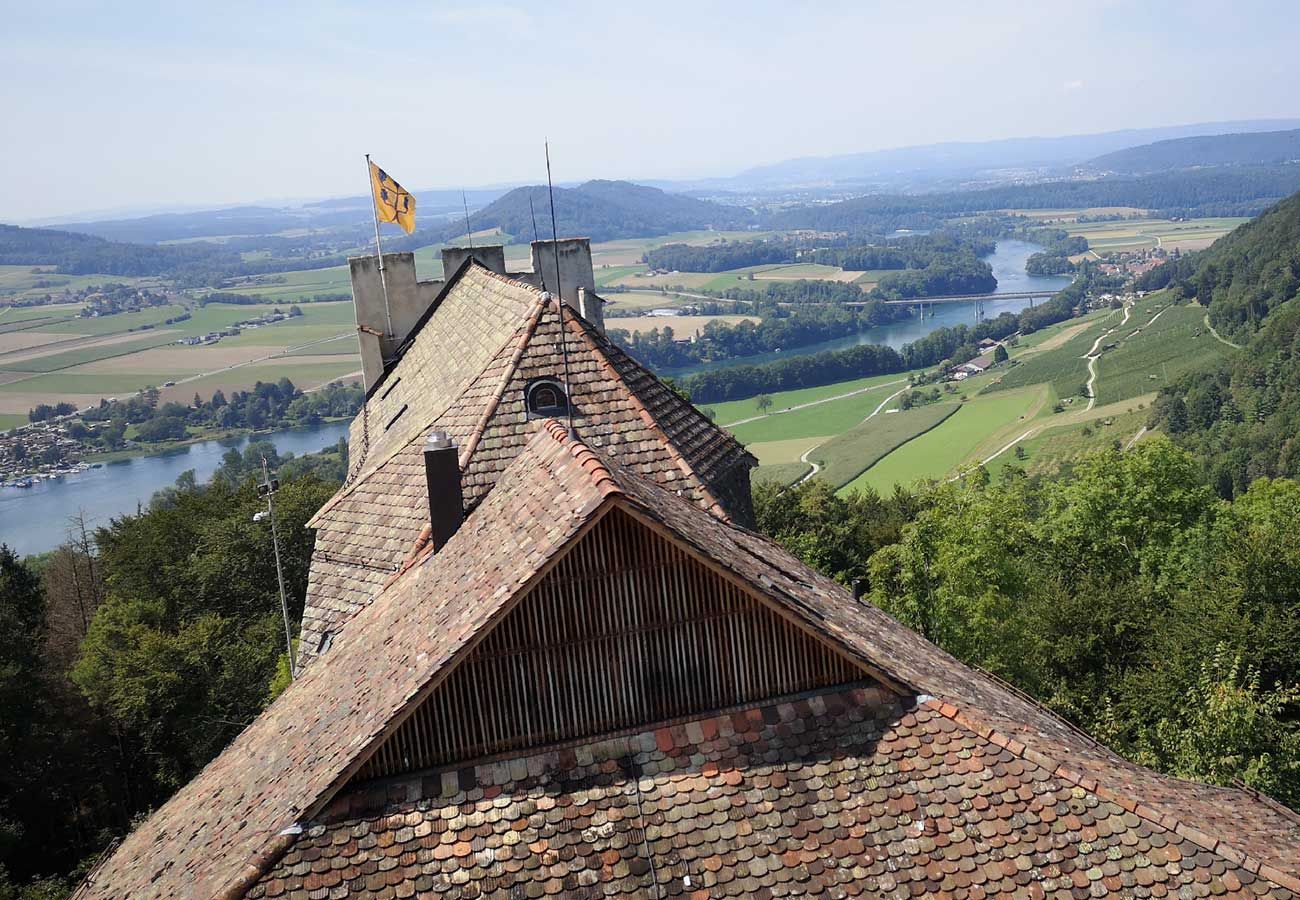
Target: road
[816,467]
[1092,356]
[814,403]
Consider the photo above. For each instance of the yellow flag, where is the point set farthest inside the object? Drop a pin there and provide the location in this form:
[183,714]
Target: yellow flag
[393,203]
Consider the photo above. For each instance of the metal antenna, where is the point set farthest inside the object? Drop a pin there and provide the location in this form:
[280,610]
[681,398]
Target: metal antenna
[559,299]
[267,488]
[532,212]
[468,234]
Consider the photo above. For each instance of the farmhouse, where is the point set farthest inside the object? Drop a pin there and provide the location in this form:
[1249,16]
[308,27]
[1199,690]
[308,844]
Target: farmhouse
[974,366]
[547,658]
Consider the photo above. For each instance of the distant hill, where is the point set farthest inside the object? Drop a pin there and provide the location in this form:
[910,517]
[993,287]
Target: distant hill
[1236,191]
[342,216]
[600,210]
[976,156]
[81,254]
[1259,148]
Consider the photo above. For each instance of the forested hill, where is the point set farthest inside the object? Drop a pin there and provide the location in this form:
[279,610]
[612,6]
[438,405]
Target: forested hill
[1244,190]
[1247,274]
[602,211]
[1242,417]
[82,254]
[1262,148]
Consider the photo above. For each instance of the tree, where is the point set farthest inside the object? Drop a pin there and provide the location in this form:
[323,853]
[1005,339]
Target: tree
[1000,354]
[763,402]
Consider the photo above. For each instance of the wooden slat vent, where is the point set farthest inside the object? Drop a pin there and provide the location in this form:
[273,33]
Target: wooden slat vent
[625,630]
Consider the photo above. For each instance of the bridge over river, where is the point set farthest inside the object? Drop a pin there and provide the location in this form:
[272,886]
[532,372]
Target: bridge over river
[965,298]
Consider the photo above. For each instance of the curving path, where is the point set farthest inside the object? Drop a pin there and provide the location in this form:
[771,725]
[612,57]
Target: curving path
[816,467]
[815,403]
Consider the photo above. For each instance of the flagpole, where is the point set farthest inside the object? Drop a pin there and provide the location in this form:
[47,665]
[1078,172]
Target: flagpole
[379,250]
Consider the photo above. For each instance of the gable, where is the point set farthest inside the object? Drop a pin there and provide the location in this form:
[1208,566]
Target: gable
[624,630]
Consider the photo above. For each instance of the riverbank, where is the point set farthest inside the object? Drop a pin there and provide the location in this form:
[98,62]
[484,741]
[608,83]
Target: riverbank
[36,519]
[1008,263]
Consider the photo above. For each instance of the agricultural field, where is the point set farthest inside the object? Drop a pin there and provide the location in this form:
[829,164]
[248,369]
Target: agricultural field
[1057,360]
[1165,344]
[1053,450]
[943,449]
[823,420]
[83,360]
[734,411]
[846,457]
[1148,234]
[681,325]
[749,277]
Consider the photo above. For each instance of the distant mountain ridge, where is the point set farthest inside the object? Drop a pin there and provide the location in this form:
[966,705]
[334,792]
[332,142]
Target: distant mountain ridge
[600,210]
[975,156]
[1248,149]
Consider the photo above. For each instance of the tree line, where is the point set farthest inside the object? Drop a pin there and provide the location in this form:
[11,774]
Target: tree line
[954,344]
[131,655]
[1124,595]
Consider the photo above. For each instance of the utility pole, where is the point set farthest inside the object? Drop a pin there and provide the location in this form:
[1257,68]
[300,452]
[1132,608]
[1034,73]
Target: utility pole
[267,489]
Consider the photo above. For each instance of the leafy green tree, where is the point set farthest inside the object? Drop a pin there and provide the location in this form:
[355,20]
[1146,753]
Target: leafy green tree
[182,650]
[1230,728]
[763,402]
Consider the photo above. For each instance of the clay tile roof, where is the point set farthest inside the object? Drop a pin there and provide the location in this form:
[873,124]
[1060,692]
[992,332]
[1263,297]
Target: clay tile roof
[1227,819]
[851,791]
[369,527]
[954,730]
[216,835]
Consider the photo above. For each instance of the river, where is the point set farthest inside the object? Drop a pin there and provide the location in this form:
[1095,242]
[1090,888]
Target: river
[1008,264]
[36,519]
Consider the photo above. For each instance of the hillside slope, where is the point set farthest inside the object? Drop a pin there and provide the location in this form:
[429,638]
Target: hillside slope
[602,211]
[1242,417]
[1261,148]
[81,254]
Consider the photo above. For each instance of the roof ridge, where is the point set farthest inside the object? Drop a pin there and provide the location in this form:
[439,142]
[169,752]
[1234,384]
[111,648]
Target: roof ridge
[590,461]
[715,506]
[1059,770]
[521,345]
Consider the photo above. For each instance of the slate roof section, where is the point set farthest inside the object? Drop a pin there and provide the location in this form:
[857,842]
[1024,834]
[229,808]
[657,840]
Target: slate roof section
[222,833]
[849,792]
[366,530]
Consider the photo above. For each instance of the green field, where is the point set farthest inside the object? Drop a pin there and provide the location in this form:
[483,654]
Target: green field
[54,362]
[846,457]
[942,449]
[823,420]
[735,410]
[779,473]
[1148,233]
[1064,367]
[99,384]
[1048,452]
[1158,354]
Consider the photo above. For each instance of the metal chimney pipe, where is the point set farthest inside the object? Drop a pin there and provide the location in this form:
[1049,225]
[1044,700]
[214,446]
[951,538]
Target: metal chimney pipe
[442,476]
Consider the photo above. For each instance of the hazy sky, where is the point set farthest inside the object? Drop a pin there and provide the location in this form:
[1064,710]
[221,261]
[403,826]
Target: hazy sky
[133,104]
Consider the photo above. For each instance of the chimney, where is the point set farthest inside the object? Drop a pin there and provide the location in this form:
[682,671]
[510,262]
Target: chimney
[575,273]
[382,327]
[492,257]
[442,475]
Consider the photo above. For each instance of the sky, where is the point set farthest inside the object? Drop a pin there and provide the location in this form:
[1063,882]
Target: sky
[142,105]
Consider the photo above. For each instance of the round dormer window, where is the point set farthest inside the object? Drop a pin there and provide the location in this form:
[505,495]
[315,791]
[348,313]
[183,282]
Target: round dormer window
[545,397]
